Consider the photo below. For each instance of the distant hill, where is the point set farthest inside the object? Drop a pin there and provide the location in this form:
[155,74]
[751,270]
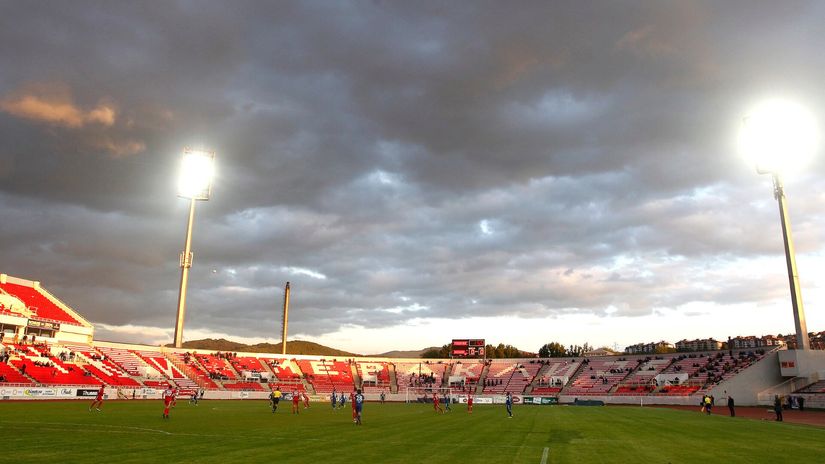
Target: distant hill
[295,347]
[403,354]
[220,344]
[299,347]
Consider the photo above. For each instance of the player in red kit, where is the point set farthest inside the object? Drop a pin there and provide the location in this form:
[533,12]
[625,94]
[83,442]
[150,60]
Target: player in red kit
[306,400]
[470,402]
[354,410]
[437,403]
[168,398]
[98,402]
[296,401]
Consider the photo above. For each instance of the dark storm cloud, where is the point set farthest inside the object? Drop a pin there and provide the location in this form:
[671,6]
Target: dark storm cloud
[396,160]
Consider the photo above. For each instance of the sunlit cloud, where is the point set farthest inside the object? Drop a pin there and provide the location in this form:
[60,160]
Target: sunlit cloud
[54,105]
[303,271]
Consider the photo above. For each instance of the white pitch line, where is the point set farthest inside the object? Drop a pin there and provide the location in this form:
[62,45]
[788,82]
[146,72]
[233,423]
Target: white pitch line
[544,455]
[89,425]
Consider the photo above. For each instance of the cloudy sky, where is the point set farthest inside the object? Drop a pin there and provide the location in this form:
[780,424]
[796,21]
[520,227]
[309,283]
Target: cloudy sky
[523,172]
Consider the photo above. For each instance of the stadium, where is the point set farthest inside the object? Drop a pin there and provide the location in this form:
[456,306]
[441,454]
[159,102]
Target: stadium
[456,198]
[51,355]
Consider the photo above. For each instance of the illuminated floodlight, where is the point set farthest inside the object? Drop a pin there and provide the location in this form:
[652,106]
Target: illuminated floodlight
[779,136]
[194,183]
[196,172]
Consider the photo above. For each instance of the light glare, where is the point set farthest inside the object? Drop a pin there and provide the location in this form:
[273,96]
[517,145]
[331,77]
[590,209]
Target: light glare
[779,136]
[196,172]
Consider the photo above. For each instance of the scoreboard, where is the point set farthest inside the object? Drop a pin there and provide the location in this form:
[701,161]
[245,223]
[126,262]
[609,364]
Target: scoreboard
[467,348]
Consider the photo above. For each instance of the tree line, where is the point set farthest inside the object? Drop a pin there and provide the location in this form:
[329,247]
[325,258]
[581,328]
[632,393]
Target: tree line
[557,350]
[548,350]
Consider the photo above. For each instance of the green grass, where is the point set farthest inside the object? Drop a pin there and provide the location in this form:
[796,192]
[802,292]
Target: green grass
[246,431]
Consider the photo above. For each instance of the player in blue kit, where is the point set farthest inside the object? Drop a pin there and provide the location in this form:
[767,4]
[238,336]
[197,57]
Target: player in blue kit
[333,398]
[359,405]
[508,401]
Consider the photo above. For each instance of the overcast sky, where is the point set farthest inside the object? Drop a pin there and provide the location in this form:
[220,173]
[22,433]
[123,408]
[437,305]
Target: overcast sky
[523,172]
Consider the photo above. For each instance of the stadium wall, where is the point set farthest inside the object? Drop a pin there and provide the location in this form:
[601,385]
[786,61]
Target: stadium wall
[634,400]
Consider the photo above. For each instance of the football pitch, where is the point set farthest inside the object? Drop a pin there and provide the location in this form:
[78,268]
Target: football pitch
[246,431]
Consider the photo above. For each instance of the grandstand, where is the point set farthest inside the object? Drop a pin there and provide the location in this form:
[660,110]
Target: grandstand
[374,376]
[466,374]
[643,377]
[97,364]
[816,387]
[513,377]
[325,375]
[48,344]
[198,372]
[598,376]
[286,373]
[421,374]
[40,304]
[554,375]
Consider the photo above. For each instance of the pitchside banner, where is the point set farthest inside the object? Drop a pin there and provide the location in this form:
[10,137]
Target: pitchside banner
[540,400]
[476,400]
[489,399]
[33,393]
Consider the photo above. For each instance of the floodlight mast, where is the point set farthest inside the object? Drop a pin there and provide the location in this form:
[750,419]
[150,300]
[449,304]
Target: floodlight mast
[195,184]
[285,320]
[802,340]
[185,264]
[777,135]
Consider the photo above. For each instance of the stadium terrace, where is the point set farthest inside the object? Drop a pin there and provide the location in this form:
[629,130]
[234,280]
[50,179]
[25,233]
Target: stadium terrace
[49,352]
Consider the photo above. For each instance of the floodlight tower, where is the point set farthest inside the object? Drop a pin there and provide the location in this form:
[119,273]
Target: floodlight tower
[194,183]
[285,320]
[777,137]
